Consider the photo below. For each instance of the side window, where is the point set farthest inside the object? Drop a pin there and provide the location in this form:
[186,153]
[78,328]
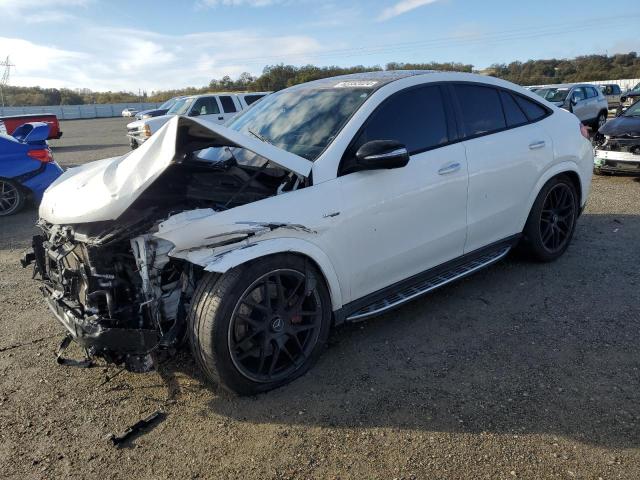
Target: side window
[579,93]
[512,111]
[616,90]
[481,109]
[531,109]
[227,104]
[414,117]
[591,92]
[251,99]
[206,106]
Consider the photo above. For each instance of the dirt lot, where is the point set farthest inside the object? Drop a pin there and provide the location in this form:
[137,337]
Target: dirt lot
[521,371]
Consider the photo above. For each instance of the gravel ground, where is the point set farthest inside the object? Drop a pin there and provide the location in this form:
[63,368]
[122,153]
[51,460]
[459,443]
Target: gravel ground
[521,371]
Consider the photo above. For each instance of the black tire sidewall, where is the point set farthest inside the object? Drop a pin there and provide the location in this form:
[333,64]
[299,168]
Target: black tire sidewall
[531,232]
[211,340]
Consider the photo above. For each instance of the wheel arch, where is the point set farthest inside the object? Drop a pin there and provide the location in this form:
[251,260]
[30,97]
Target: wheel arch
[295,246]
[570,169]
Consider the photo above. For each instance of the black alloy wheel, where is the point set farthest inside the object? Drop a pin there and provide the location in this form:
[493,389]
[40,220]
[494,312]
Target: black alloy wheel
[557,218]
[275,326]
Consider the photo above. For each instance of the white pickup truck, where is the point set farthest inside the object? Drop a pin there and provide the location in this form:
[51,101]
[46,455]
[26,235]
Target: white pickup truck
[215,107]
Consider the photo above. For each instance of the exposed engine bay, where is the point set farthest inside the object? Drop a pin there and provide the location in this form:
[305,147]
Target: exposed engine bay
[113,285]
[617,144]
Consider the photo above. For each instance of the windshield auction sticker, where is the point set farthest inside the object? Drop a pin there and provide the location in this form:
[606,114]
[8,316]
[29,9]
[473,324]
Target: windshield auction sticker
[355,84]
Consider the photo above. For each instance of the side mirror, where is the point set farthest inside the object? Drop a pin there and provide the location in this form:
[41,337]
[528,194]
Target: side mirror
[574,99]
[381,154]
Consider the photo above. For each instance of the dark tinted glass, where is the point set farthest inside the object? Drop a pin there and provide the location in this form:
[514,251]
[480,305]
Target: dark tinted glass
[227,104]
[616,90]
[252,98]
[591,92]
[512,111]
[532,110]
[413,117]
[481,109]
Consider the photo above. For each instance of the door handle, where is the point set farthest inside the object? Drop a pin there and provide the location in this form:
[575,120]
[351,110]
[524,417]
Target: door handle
[537,145]
[220,118]
[451,168]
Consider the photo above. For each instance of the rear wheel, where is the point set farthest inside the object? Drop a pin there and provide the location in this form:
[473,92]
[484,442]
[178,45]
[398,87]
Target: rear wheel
[11,197]
[261,325]
[552,220]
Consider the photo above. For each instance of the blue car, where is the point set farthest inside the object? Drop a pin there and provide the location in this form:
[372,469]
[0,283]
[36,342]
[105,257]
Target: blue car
[27,167]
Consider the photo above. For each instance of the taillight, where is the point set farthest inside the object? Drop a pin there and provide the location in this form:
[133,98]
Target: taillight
[42,155]
[585,131]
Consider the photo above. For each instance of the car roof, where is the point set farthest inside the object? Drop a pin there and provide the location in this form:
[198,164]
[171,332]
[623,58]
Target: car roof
[380,78]
[570,85]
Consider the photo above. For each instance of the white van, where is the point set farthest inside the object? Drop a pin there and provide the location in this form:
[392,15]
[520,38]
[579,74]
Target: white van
[215,107]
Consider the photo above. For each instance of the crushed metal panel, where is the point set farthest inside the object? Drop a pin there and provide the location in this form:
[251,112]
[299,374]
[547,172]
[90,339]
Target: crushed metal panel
[103,190]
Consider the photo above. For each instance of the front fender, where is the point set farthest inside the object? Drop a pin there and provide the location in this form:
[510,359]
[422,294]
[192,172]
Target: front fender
[227,260]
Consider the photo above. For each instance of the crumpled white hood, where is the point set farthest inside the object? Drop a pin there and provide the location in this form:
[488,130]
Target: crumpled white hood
[104,189]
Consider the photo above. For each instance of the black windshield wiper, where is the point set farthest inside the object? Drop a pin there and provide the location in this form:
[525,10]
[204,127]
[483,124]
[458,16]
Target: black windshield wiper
[259,137]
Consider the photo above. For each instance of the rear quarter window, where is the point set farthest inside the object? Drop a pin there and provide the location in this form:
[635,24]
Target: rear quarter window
[531,109]
[512,112]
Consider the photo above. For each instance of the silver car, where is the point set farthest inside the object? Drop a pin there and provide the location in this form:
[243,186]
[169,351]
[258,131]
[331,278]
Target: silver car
[584,100]
[612,93]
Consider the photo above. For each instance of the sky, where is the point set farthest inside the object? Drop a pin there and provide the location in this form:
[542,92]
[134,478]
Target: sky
[150,45]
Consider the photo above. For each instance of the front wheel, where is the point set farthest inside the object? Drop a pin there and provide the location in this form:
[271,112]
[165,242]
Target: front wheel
[552,220]
[602,119]
[260,325]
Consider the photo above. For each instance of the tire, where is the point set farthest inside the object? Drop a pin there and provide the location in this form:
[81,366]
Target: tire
[601,120]
[12,197]
[242,333]
[560,218]
[598,171]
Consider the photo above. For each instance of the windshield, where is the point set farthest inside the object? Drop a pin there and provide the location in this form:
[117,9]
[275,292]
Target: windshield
[181,106]
[553,94]
[303,121]
[633,110]
[636,88]
[167,105]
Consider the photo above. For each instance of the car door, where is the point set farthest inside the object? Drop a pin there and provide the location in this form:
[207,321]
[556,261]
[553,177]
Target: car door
[505,148]
[230,106]
[593,103]
[207,108]
[397,223]
[580,104]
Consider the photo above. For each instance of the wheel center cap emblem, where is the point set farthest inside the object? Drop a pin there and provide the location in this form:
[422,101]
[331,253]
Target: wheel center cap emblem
[555,218]
[277,324]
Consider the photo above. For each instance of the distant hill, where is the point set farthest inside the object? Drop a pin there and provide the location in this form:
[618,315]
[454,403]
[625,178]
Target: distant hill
[277,77]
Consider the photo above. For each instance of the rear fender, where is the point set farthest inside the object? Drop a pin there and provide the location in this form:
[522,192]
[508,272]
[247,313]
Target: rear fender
[556,169]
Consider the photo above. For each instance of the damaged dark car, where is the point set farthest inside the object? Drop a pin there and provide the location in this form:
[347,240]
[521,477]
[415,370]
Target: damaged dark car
[617,144]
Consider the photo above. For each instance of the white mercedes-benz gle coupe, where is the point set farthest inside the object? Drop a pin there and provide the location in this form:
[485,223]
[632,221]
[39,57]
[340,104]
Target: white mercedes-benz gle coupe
[324,203]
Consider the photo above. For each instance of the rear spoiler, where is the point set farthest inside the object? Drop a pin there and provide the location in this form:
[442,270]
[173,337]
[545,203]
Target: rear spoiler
[32,133]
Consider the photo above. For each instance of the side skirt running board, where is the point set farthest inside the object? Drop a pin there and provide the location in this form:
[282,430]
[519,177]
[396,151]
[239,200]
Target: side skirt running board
[425,282]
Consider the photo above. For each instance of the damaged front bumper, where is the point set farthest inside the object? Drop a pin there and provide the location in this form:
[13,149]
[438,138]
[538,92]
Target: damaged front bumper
[121,314]
[91,334]
[618,155]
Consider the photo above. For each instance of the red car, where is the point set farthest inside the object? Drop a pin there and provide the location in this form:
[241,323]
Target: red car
[13,122]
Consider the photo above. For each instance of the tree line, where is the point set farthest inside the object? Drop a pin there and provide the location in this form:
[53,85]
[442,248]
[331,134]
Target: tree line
[277,77]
